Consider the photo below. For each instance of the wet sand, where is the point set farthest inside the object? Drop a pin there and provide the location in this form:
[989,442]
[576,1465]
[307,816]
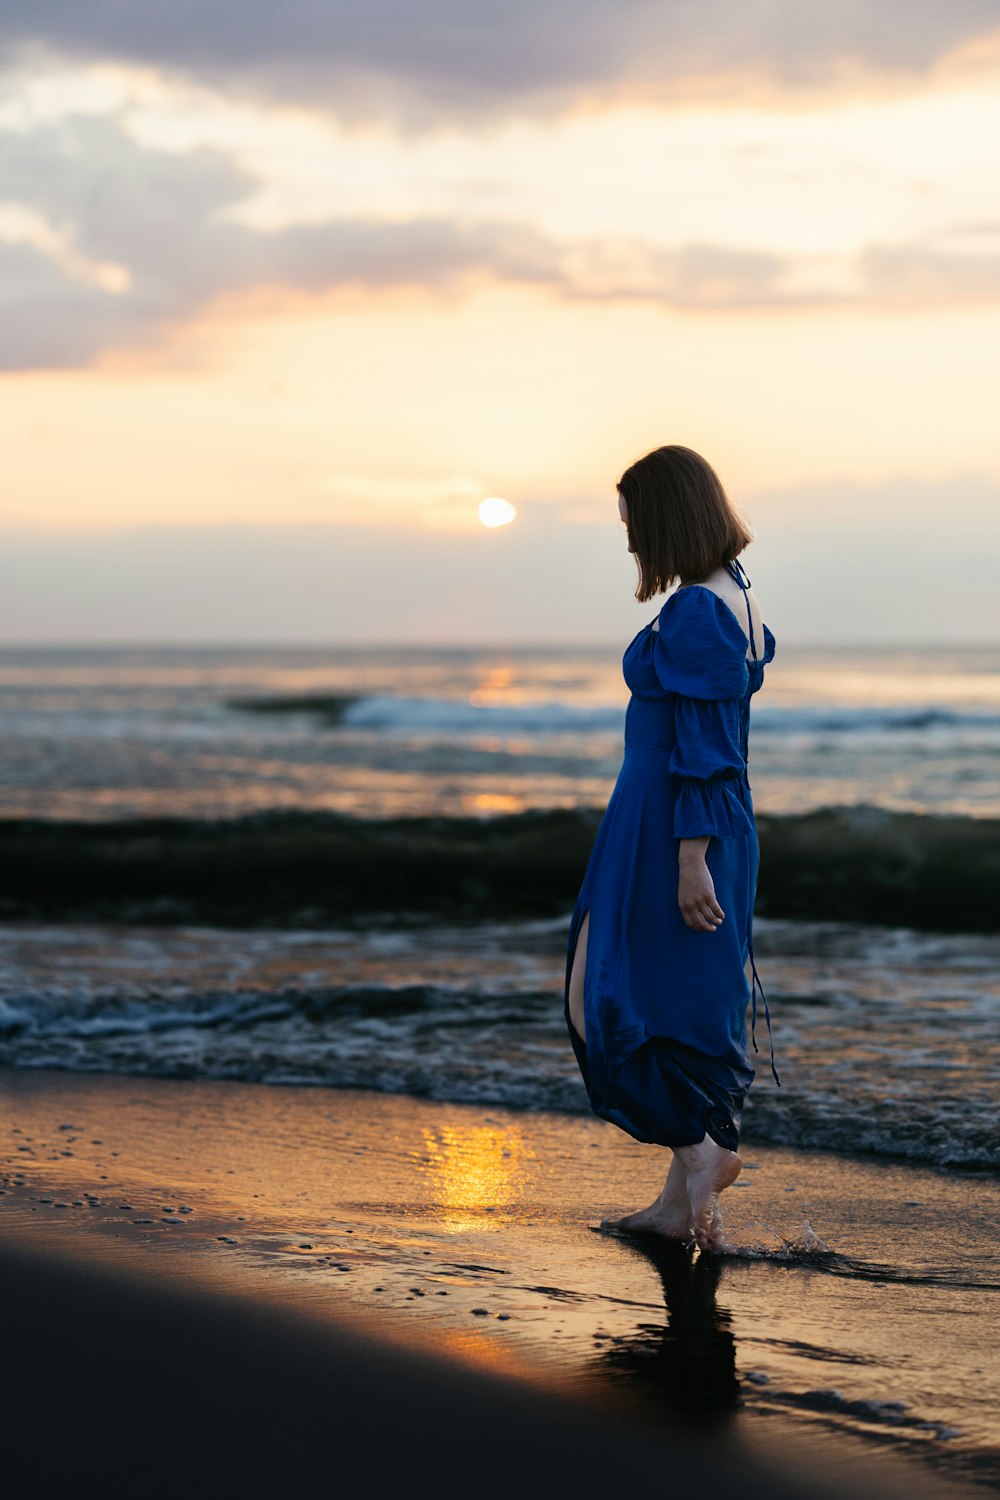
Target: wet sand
[431,1268]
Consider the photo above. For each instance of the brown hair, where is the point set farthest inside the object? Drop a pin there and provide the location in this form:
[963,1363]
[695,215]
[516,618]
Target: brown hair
[680,521]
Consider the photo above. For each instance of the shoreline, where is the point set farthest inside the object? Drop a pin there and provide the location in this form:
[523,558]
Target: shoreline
[883,1035]
[467,1231]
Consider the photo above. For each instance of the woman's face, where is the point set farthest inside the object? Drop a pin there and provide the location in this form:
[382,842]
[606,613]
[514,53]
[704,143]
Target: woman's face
[623,513]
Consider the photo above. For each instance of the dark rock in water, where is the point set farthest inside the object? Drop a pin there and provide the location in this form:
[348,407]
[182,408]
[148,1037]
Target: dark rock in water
[867,864]
[329,708]
[860,864]
[480,1312]
[278,866]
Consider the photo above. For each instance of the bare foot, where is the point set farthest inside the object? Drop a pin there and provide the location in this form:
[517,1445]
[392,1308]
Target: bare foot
[669,1215]
[710,1168]
[715,1234]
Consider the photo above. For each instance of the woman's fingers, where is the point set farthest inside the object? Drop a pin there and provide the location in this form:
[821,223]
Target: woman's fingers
[704,918]
[696,897]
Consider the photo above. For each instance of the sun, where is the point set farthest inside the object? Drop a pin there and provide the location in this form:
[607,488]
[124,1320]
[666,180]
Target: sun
[496,512]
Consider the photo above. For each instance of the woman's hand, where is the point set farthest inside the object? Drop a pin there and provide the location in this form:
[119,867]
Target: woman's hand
[696,888]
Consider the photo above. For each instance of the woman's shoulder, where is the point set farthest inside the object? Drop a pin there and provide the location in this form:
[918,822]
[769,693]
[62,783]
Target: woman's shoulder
[701,647]
[696,614]
[739,603]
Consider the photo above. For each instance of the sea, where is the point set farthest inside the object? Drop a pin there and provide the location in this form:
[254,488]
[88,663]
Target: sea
[884,1032]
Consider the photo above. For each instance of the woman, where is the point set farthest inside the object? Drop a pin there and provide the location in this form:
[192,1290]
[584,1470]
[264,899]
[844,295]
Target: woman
[656,989]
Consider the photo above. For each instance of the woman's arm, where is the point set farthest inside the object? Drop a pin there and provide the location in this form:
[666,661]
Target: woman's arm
[707,761]
[699,655]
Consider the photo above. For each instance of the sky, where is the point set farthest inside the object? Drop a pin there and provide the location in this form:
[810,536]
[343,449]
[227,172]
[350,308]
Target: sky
[285,292]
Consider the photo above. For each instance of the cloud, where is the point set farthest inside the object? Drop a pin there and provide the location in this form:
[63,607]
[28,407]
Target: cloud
[450,59]
[106,243]
[960,266]
[111,243]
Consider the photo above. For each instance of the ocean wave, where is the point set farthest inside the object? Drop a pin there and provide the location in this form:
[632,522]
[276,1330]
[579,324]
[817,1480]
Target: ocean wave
[459,716]
[474,1047]
[390,711]
[857,864]
[774,719]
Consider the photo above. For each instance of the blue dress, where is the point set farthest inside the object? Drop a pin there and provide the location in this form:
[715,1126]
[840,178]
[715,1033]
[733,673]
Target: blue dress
[665,1006]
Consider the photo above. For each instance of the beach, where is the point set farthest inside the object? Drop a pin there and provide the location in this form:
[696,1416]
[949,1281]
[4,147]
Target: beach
[844,1334]
[287,1104]
[481,476]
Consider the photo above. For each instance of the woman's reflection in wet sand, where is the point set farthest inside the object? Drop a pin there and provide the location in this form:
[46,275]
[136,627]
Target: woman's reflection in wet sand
[686,1367]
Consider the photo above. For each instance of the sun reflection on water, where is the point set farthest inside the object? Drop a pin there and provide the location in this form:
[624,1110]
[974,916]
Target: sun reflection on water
[498,802]
[497,685]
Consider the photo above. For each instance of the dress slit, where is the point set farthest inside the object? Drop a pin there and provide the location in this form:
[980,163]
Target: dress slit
[570,966]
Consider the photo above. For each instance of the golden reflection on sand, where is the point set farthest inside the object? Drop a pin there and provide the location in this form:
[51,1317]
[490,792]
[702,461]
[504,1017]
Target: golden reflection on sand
[475,1170]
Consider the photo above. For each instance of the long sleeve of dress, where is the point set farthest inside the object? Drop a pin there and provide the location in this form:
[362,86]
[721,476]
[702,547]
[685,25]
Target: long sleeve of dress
[700,660]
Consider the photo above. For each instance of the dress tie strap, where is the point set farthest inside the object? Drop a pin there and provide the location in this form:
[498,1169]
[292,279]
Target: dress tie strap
[738,572]
[755,984]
